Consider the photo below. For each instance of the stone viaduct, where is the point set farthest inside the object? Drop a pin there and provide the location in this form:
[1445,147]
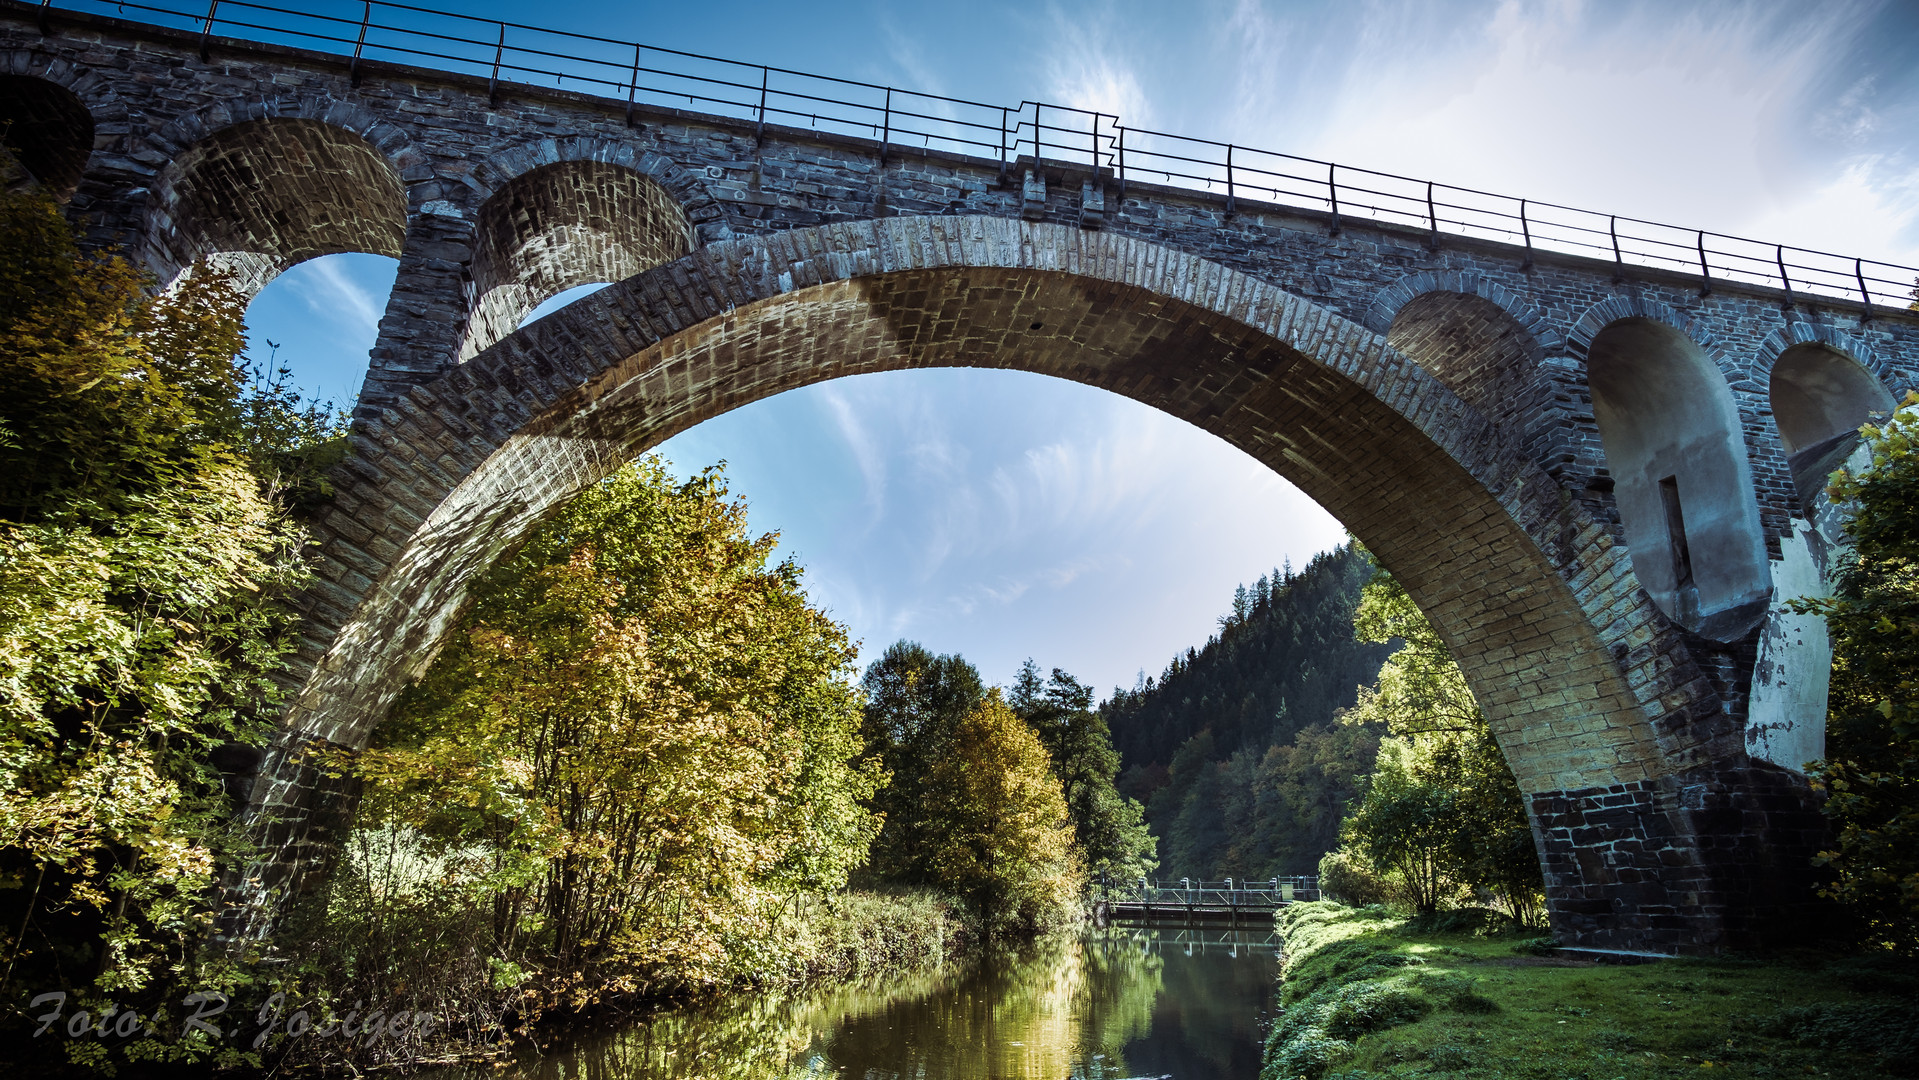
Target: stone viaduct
[1600,485]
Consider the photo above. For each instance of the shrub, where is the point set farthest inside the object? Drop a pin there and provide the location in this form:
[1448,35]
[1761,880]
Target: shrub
[1476,921]
[1346,877]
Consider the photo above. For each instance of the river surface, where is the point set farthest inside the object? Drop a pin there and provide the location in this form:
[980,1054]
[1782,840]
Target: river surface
[1192,1004]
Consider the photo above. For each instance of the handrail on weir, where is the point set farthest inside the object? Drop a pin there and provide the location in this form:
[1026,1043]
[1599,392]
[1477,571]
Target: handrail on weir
[1227,892]
[640,75]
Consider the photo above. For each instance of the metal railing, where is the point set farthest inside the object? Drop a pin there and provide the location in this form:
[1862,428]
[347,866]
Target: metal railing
[1192,892]
[645,76]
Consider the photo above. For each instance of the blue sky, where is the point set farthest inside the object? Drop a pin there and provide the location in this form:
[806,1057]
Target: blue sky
[1004,515]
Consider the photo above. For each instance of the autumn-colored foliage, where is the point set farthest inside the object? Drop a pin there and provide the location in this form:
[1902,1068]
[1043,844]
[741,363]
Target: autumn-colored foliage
[1000,834]
[143,553]
[638,745]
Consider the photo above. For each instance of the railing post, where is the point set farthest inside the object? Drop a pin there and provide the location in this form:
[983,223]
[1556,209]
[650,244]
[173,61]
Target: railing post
[1096,145]
[1432,219]
[1526,230]
[759,128]
[206,30]
[886,126]
[633,86]
[1785,281]
[1865,294]
[359,46]
[1332,192]
[46,26]
[1618,263]
[1119,143]
[1003,112]
[1705,272]
[1231,208]
[493,81]
[1038,137]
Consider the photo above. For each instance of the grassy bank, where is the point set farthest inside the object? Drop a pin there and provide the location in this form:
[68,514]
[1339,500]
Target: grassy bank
[1370,993]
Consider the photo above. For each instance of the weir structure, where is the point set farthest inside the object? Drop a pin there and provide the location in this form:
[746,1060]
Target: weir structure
[1593,449]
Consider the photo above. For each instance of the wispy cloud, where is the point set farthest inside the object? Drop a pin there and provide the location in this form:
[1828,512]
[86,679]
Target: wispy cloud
[867,454]
[1714,115]
[334,293]
[1089,66]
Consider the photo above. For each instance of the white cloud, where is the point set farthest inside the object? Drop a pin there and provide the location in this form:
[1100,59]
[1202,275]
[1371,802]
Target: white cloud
[869,457]
[1089,66]
[1737,118]
[334,293]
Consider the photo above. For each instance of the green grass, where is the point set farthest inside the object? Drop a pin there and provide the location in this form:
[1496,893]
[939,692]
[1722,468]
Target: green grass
[1365,994]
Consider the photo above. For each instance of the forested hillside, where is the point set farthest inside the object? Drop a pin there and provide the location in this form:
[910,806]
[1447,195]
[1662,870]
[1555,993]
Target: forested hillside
[1233,747]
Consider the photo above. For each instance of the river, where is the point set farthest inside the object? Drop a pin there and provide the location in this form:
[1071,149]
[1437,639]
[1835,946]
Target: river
[1191,1004]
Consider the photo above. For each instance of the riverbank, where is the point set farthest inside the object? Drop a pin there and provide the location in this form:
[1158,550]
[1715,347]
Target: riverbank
[1141,1002]
[824,942]
[1369,993]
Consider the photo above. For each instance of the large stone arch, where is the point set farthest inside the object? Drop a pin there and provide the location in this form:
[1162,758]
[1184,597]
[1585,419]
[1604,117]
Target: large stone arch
[266,190]
[562,225]
[48,131]
[1615,734]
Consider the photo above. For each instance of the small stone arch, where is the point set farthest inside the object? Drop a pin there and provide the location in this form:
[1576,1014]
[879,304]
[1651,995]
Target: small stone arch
[687,189]
[1675,448]
[47,131]
[1475,336]
[262,188]
[1386,306]
[178,135]
[102,176]
[1597,318]
[1800,332]
[1820,393]
[562,225]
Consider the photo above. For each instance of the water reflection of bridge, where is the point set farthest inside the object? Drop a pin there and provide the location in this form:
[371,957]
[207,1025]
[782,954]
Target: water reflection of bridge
[1209,941]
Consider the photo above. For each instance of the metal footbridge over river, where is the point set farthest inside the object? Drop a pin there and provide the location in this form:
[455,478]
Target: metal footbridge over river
[1192,900]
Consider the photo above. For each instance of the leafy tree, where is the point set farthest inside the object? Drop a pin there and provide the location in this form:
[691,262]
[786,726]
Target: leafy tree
[1109,829]
[1442,809]
[914,702]
[1871,771]
[1420,690]
[639,740]
[999,831]
[144,554]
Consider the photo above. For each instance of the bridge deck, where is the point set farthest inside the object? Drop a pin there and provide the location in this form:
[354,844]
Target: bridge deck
[1160,911]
